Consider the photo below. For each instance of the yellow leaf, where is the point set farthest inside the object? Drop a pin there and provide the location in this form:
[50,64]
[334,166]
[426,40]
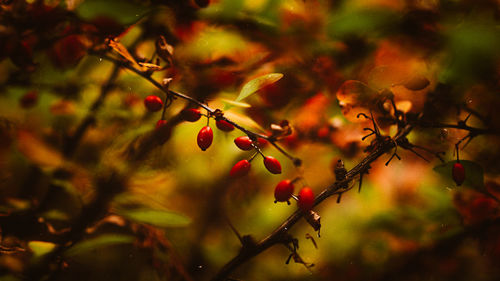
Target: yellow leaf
[40,248]
[119,48]
[37,151]
[243,120]
[151,66]
[231,103]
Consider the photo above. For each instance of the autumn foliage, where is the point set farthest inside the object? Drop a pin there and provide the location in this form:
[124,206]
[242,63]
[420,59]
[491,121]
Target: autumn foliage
[249,140]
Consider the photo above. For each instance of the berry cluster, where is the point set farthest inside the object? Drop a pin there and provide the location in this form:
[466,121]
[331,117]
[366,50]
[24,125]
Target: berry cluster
[243,167]
[154,104]
[284,191]
[206,136]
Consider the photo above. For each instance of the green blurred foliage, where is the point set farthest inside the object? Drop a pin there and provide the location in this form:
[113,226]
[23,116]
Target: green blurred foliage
[166,216]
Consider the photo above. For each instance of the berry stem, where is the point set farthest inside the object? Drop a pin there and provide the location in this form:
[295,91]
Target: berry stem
[277,236]
[296,161]
[253,156]
[167,99]
[72,141]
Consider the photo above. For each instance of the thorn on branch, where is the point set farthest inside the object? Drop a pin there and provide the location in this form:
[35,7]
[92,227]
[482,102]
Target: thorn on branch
[362,114]
[469,138]
[418,154]
[368,129]
[394,154]
[405,143]
[340,174]
[309,236]
[397,113]
[235,230]
[361,174]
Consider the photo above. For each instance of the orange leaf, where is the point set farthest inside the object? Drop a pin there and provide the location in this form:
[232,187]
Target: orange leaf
[356,97]
[37,151]
[119,48]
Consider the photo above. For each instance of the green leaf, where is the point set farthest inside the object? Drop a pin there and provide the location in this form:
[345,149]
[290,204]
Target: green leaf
[99,242]
[473,174]
[361,22]
[159,218]
[254,85]
[472,52]
[125,12]
[40,248]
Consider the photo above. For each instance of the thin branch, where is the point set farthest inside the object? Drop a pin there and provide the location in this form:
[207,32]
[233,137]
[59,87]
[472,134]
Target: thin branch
[473,130]
[280,233]
[73,141]
[272,140]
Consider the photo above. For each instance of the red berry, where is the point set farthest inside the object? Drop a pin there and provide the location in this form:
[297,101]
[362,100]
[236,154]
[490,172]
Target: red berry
[243,143]
[153,103]
[240,169]
[29,99]
[458,173]
[306,199]
[161,123]
[205,137]
[68,51]
[283,191]
[272,164]
[223,125]
[262,142]
[191,114]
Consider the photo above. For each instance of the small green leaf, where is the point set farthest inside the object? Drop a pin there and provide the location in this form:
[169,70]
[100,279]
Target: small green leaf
[362,22]
[235,103]
[254,85]
[473,174]
[159,218]
[98,242]
[40,248]
[125,12]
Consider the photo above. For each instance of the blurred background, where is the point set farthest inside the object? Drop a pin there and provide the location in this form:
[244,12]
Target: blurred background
[90,190]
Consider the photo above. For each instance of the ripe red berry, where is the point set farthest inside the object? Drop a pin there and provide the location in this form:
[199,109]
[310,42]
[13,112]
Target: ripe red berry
[153,103]
[272,164]
[161,123]
[29,99]
[205,138]
[283,191]
[240,169]
[223,125]
[306,199]
[243,143]
[262,142]
[191,114]
[458,173]
[68,51]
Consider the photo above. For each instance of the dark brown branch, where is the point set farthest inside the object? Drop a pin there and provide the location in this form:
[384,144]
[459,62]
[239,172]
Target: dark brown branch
[278,236]
[272,140]
[72,141]
[473,130]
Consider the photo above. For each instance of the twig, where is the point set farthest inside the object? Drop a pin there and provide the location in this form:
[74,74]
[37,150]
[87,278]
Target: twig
[73,141]
[272,140]
[473,130]
[280,233]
